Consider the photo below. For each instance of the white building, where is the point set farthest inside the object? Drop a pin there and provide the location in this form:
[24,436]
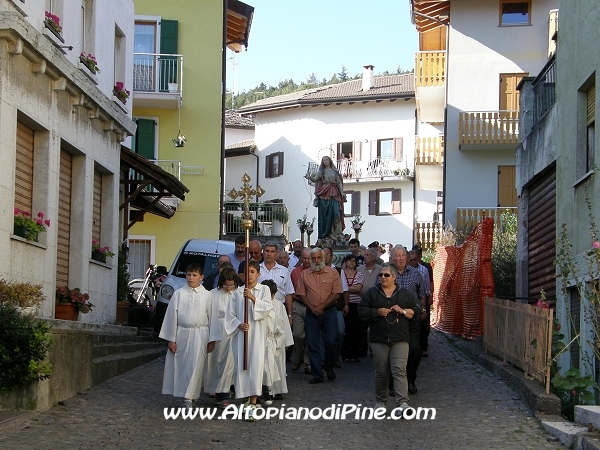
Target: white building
[473,55]
[367,126]
[62,133]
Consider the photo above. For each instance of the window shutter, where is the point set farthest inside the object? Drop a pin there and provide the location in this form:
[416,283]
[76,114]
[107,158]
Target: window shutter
[356,150]
[591,104]
[280,172]
[168,46]
[144,138]
[97,207]
[397,149]
[372,203]
[268,166]
[24,168]
[396,202]
[63,224]
[355,203]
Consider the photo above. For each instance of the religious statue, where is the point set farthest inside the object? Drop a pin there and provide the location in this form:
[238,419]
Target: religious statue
[329,199]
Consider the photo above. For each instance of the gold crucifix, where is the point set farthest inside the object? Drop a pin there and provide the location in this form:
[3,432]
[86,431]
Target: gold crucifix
[245,193]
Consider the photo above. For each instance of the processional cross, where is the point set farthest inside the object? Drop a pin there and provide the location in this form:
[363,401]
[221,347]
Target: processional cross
[247,224]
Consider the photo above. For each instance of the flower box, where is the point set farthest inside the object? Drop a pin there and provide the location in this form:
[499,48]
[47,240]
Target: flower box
[66,312]
[54,32]
[97,256]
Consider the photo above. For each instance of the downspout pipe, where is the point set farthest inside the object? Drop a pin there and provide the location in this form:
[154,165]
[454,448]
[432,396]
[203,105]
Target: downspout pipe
[223,94]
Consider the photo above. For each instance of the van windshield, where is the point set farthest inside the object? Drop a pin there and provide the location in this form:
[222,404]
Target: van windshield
[208,261]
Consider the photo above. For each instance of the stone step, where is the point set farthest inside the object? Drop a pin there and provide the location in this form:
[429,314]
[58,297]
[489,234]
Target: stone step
[568,433]
[102,350]
[116,338]
[116,364]
[588,414]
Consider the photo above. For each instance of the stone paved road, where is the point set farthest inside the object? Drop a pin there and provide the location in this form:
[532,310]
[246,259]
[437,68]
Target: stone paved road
[474,410]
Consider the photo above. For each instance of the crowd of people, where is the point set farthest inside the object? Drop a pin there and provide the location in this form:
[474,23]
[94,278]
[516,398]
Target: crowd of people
[301,309]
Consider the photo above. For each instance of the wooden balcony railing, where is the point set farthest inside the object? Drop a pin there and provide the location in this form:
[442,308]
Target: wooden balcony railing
[427,234]
[430,69]
[468,218]
[499,128]
[429,151]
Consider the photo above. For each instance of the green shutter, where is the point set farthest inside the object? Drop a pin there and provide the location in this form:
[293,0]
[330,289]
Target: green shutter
[168,45]
[144,138]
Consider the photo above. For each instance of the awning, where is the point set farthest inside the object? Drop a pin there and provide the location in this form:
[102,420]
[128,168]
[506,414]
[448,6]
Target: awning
[239,20]
[145,185]
[429,14]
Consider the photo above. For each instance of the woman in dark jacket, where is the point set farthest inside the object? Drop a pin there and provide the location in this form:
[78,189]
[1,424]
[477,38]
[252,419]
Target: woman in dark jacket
[388,309]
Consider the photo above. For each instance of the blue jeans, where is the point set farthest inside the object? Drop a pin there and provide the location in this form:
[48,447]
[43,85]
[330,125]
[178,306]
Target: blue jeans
[325,327]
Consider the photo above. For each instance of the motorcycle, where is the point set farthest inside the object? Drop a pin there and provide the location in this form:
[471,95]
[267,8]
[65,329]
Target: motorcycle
[143,291]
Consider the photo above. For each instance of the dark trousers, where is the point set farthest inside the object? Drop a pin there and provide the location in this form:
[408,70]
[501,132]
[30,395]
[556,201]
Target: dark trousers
[425,330]
[321,327]
[351,348]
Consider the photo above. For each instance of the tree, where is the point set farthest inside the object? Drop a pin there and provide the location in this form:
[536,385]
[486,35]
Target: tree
[343,75]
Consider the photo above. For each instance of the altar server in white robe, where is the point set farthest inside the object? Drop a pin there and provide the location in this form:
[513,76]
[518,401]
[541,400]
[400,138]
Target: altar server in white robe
[248,383]
[187,328]
[219,371]
[283,340]
[273,333]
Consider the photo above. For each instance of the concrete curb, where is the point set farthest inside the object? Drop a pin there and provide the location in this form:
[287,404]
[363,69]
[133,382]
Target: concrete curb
[532,393]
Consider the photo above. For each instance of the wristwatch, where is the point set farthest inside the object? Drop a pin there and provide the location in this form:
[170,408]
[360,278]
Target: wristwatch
[403,312]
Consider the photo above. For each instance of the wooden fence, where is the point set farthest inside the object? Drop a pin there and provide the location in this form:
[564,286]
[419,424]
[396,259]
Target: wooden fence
[520,334]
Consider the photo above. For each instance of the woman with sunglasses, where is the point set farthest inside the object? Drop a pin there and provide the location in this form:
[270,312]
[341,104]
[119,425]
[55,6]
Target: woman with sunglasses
[387,309]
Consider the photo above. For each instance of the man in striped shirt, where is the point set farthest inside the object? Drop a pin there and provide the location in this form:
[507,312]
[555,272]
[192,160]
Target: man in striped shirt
[270,270]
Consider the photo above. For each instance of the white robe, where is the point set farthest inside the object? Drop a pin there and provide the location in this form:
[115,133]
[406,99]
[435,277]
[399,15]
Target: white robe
[284,340]
[219,369]
[248,382]
[187,323]
[273,333]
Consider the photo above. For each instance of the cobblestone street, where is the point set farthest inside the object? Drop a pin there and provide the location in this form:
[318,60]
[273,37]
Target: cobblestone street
[474,410]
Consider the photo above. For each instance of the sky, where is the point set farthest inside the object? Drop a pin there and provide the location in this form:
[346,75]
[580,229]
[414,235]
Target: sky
[293,39]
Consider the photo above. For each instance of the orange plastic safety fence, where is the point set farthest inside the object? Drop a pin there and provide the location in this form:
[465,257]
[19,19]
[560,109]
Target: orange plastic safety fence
[463,278]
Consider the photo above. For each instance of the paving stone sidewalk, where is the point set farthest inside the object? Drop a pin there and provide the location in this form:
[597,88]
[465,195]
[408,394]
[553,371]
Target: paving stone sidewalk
[473,410]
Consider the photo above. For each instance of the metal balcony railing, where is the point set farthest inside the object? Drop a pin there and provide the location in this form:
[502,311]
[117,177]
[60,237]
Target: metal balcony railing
[270,219]
[430,69]
[373,169]
[157,72]
[483,128]
[544,91]
[429,151]
[171,166]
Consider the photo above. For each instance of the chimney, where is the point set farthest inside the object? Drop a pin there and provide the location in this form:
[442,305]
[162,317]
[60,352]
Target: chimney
[368,79]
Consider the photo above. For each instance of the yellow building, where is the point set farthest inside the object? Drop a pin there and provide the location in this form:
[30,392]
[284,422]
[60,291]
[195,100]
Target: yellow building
[178,76]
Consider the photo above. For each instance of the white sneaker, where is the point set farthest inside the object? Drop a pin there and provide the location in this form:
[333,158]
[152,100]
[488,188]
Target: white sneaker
[187,404]
[380,405]
[402,408]
[249,413]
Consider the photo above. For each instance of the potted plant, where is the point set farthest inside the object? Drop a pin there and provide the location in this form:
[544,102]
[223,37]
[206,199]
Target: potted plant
[120,92]
[52,22]
[71,302]
[303,225]
[28,227]
[26,297]
[89,61]
[100,253]
[172,84]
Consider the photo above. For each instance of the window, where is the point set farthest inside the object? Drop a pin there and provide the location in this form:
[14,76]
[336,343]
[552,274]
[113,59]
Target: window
[141,255]
[274,165]
[384,202]
[119,56]
[515,12]
[385,148]
[352,205]
[346,150]
[87,28]
[24,168]
[590,129]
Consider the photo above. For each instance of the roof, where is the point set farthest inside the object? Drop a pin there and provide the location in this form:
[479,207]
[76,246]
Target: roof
[239,21]
[241,148]
[233,119]
[429,14]
[389,87]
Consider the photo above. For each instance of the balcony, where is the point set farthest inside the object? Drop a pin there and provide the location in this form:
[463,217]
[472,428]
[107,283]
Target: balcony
[171,166]
[430,82]
[427,234]
[488,130]
[157,80]
[375,169]
[429,162]
[270,219]
[468,218]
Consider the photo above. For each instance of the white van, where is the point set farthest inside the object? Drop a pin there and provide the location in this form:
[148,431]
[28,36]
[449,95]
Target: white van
[195,251]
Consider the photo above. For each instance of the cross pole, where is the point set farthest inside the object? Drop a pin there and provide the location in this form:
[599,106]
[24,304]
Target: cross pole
[247,223]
